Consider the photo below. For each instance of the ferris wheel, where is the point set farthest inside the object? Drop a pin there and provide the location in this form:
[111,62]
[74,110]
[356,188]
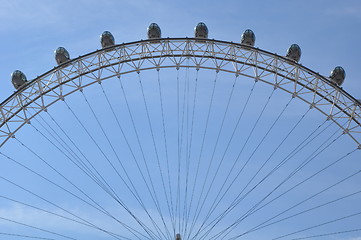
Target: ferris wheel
[180,138]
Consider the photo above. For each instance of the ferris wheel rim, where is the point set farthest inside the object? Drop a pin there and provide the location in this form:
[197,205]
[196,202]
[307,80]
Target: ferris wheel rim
[354,114]
[284,58]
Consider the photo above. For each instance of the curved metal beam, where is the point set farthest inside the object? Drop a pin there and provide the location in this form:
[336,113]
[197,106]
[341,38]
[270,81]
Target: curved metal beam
[285,74]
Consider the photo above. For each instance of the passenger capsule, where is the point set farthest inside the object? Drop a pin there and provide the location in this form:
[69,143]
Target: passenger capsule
[154,31]
[18,79]
[294,52]
[201,31]
[248,38]
[61,55]
[107,39]
[338,75]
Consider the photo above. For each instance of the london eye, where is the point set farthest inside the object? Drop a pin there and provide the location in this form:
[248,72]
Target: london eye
[180,138]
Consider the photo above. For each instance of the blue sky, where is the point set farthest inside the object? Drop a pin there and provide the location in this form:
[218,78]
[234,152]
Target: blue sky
[328,33]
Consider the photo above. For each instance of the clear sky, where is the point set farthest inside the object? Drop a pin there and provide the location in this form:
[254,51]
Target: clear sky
[328,32]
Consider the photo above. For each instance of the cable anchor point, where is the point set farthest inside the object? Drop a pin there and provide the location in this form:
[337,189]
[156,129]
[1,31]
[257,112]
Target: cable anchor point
[178,237]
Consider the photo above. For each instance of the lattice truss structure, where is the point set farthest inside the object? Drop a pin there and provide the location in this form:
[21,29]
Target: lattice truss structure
[316,90]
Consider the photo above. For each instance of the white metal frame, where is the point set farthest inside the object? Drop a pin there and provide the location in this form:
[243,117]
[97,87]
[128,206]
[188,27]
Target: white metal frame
[285,74]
